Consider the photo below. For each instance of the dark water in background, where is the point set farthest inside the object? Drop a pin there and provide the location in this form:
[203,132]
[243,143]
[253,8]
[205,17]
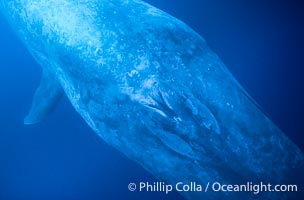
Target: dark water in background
[261,42]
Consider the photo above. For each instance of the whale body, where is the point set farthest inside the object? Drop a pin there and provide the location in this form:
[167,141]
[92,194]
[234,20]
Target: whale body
[149,86]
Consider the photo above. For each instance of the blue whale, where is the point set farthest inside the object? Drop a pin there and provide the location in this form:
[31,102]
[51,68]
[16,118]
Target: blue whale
[149,86]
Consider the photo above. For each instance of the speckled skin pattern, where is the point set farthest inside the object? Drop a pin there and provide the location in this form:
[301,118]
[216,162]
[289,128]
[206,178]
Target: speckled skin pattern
[149,86]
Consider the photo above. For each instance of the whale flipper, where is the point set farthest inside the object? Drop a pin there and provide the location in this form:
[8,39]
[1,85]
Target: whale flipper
[45,99]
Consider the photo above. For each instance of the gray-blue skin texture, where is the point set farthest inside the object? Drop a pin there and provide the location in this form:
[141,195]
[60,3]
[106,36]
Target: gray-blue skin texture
[149,86]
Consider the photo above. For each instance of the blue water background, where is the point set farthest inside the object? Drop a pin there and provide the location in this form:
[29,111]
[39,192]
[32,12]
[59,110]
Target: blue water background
[262,44]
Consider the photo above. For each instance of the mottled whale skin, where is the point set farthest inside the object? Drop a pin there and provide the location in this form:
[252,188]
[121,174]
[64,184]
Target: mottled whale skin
[149,86]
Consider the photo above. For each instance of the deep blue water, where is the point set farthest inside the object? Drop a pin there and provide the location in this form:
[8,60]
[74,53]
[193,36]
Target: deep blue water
[261,42]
